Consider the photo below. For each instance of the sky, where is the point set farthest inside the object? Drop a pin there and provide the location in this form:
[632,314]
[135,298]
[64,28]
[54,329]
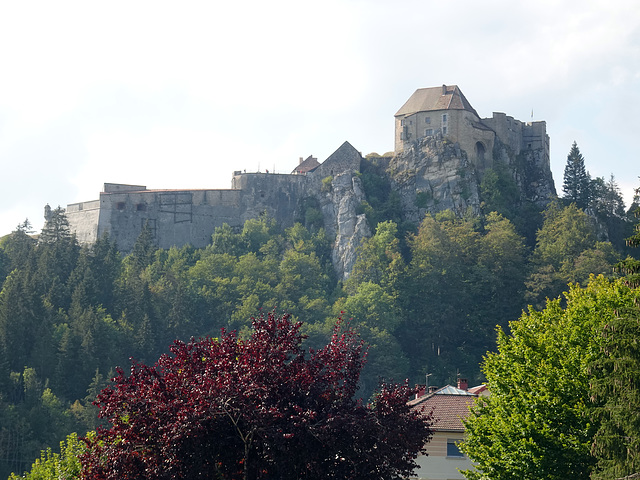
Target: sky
[181,94]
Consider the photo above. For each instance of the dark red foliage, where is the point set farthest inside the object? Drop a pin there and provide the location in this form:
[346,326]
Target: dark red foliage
[226,408]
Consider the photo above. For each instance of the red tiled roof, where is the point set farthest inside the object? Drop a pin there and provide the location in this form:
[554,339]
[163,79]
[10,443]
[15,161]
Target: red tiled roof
[479,389]
[309,164]
[449,406]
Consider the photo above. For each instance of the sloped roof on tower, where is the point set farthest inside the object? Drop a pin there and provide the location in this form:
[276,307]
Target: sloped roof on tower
[446,97]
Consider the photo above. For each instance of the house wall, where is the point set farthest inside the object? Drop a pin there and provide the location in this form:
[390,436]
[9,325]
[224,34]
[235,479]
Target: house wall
[436,465]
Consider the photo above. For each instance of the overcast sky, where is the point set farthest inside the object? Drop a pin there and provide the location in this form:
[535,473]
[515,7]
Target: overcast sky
[180,94]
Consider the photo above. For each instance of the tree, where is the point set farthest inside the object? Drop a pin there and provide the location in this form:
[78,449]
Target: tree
[566,251]
[254,408]
[537,422]
[576,186]
[54,466]
[379,260]
[615,386]
[460,283]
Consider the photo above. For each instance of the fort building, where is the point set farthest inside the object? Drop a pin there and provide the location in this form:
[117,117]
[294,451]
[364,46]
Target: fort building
[179,217]
[446,111]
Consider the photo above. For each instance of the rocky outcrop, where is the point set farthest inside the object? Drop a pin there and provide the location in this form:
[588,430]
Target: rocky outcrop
[432,176]
[339,203]
[435,175]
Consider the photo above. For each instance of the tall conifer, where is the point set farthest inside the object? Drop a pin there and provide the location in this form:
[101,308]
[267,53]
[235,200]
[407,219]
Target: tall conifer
[576,179]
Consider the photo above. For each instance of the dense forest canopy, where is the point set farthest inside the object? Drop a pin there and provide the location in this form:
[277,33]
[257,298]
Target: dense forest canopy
[425,298]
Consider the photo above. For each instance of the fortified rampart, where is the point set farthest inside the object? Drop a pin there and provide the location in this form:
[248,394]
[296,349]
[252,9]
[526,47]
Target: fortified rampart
[179,217]
[175,217]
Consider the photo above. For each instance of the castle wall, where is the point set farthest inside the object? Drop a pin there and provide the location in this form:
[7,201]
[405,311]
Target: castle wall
[179,217]
[519,135]
[276,195]
[84,218]
[175,217]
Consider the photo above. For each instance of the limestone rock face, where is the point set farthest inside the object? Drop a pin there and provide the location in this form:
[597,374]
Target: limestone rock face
[533,176]
[339,207]
[434,175]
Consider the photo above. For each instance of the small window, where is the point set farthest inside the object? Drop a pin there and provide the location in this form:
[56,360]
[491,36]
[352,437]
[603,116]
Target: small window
[428,131]
[427,120]
[452,448]
[141,207]
[402,123]
[444,130]
[120,205]
[444,118]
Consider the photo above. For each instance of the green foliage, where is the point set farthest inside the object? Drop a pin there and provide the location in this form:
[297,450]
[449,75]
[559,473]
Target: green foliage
[424,303]
[382,202]
[423,198]
[56,466]
[326,184]
[379,259]
[566,251]
[499,192]
[615,389]
[536,423]
[459,284]
[577,182]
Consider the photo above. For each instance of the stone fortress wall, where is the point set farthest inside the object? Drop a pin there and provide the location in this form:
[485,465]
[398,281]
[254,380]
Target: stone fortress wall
[179,217]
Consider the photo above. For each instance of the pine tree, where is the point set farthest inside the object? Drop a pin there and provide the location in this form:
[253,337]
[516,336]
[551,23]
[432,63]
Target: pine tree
[576,186]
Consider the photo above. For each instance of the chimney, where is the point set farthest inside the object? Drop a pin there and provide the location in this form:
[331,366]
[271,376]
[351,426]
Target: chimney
[300,161]
[463,384]
[444,89]
[432,389]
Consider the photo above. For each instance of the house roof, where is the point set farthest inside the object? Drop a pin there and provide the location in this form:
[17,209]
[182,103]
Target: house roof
[308,165]
[479,390]
[446,97]
[449,405]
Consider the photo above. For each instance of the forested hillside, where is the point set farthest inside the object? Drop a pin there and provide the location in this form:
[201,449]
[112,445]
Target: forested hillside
[426,298]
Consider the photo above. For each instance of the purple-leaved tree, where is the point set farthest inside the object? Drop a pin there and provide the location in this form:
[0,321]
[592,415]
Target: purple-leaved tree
[255,408]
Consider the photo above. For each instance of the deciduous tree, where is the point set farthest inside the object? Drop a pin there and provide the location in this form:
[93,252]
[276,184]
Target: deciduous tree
[537,422]
[254,408]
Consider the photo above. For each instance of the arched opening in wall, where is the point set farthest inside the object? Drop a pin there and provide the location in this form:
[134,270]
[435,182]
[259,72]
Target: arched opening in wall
[480,151]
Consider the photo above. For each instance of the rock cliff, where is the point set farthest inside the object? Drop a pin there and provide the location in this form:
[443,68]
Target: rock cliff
[435,174]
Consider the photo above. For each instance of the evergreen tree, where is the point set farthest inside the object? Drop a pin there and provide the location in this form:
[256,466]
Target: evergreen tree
[576,186]
[615,387]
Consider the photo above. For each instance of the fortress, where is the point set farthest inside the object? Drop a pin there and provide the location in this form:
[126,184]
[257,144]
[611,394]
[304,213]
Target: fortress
[442,114]
[445,111]
[179,217]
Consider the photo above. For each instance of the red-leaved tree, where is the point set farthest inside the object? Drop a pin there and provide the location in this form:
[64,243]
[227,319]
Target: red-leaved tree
[260,408]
